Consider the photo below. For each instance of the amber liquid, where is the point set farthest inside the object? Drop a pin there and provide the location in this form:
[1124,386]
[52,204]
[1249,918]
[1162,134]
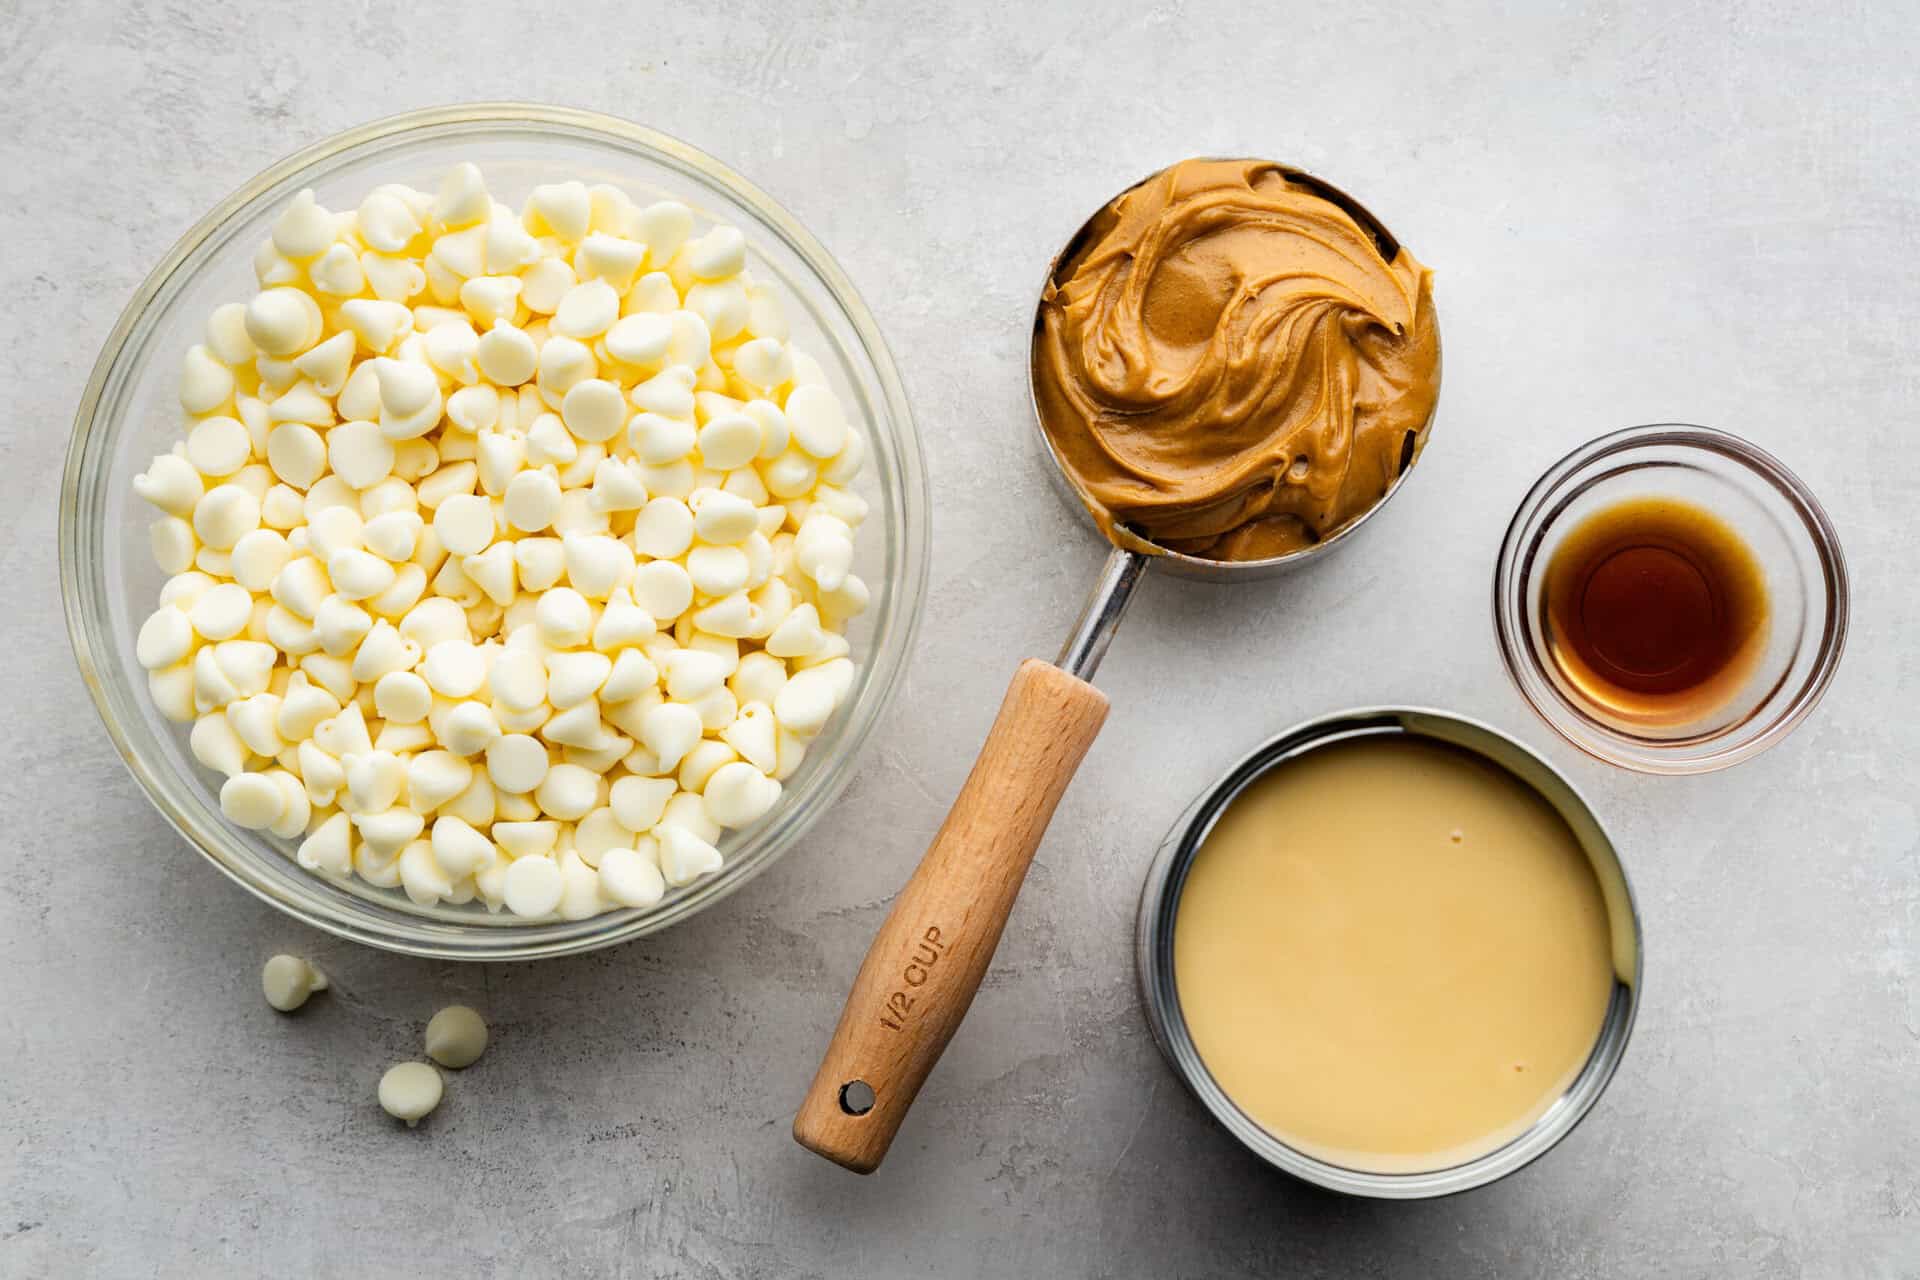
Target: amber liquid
[1656,611]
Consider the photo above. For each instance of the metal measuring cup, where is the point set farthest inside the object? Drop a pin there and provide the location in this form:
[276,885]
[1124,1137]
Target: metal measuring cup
[926,962]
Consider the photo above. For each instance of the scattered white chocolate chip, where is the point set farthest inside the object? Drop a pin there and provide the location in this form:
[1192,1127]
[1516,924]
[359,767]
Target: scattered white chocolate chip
[289,980]
[456,1037]
[410,1090]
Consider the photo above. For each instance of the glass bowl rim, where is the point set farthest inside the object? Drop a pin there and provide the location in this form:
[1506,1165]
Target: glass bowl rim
[87,634]
[1625,750]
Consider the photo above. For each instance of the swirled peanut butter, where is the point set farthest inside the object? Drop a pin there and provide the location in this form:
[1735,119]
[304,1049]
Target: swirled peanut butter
[1233,361]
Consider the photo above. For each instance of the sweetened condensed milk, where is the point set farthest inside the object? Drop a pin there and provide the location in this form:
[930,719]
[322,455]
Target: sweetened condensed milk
[1392,954]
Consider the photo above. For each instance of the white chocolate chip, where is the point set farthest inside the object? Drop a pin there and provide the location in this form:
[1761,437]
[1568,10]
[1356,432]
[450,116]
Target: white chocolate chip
[664,529]
[638,803]
[669,731]
[205,383]
[287,981]
[376,324]
[564,618]
[594,410]
[464,524]
[458,848]
[668,393]
[657,439]
[165,638]
[618,486]
[563,209]
[527,839]
[401,697]
[470,728]
[738,793]
[327,364]
[540,561]
[518,679]
[631,878]
[665,227]
[456,1037]
[587,310]
[623,623]
[597,563]
[567,792]
[641,340]
[221,612]
[304,229]
[721,518]
[227,513]
[790,475]
[251,800]
[532,500]
[818,425]
[574,677]
[462,199]
[329,849]
[684,856]
[729,441]
[435,777]
[580,891]
[358,574]
[490,299]
[563,362]
[386,222]
[392,279]
[283,321]
[611,258]
[517,763]
[506,355]
[338,272]
[805,701]
[663,589]
[545,283]
[410,400]
[720,253]
[823,549]
[473,409]
[227,335]
[359,453]
[410,1091]
[218,446]
[454,668]
[533,886]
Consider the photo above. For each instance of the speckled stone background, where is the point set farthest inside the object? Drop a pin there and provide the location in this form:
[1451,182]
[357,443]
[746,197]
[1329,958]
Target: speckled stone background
[1700,212]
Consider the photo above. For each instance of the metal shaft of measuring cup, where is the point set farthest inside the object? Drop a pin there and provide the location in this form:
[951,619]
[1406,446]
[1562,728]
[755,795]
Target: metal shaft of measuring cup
[1106,604]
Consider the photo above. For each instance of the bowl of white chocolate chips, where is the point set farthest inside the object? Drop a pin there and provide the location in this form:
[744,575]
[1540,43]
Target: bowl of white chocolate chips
[493,532]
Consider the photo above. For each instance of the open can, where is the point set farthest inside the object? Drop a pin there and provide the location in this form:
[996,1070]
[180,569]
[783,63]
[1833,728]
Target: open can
[1160,902]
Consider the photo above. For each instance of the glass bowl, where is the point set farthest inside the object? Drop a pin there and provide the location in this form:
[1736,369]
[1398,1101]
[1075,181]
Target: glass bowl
[130,411]
[1777,518]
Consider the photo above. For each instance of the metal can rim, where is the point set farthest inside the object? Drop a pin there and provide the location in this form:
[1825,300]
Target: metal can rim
[1159,903]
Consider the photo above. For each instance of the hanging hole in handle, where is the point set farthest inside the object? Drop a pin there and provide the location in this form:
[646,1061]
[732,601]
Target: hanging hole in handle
[856,1097]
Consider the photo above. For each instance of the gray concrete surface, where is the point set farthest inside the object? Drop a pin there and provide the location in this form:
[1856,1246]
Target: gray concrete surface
[1701,212]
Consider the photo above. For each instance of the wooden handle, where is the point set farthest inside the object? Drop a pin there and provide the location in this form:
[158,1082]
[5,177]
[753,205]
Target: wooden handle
[920,975]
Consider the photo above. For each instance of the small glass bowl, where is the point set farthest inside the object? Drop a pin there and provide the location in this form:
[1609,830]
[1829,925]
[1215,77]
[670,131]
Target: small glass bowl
[1773,513]
[130,412]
